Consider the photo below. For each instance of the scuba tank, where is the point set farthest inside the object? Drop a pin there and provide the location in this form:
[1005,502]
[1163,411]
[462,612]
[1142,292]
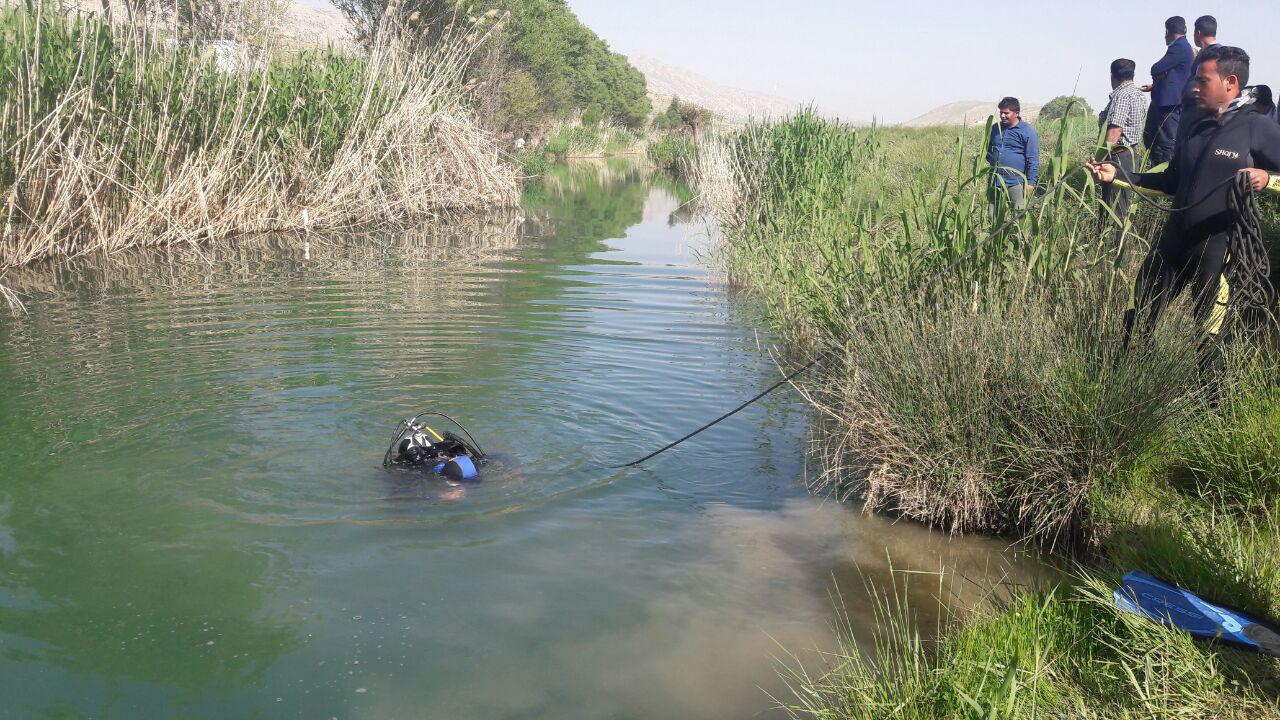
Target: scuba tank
[417,445]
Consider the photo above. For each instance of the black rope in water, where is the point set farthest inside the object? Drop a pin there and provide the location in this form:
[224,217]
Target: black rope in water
[729,414]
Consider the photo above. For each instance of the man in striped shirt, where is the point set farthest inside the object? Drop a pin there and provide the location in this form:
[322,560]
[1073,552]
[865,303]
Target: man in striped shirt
[1122,120]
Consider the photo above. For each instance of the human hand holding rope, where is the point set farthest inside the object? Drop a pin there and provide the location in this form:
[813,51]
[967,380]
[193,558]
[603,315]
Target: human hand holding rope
[1103,172]
[1258,178]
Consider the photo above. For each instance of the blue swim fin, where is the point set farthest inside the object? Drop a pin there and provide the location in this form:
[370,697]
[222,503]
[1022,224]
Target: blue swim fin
[1174,607]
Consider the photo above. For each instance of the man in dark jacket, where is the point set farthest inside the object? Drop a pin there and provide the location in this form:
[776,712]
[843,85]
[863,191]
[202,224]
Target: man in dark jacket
[1206,36]
[1168,78]
[1231,137]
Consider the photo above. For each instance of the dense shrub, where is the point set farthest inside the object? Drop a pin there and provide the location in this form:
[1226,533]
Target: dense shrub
[1065,106]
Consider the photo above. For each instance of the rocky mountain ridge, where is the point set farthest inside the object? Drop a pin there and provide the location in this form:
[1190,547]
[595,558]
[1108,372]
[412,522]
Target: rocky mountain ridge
[966,112]
[732,104]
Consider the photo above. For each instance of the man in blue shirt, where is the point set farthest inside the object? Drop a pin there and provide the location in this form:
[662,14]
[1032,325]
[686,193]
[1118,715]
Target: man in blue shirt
[1168,78]
[1014,155]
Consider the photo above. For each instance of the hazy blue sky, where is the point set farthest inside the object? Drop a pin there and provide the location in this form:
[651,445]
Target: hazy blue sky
[896,59]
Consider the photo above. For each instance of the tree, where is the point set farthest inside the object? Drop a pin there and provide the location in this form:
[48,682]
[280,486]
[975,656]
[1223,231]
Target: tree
[683,116]
[1064,105]
[520,107]
[591,115]
[571,66]
[430,19]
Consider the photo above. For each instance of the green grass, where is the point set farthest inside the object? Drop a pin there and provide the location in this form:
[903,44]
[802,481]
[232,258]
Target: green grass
[532,163]
[992,394]
[1062,650]
[591,141]
[1233,453]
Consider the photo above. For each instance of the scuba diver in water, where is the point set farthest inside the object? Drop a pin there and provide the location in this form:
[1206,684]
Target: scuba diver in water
[1232,136]
[457,460]
[418,446]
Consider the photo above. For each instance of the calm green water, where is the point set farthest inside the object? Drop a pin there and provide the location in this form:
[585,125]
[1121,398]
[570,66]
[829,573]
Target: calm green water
[194,523]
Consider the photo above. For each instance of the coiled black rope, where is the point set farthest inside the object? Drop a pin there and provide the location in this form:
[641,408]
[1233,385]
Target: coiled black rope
[1248,267]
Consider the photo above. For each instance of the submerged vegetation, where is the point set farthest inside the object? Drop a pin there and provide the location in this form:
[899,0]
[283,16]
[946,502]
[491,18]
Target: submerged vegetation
[983,385]
[122,135]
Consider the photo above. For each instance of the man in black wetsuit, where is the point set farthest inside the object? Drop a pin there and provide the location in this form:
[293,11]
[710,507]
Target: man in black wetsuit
[1230,137]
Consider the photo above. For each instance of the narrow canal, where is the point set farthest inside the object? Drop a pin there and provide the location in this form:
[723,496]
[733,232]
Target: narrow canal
[194,523]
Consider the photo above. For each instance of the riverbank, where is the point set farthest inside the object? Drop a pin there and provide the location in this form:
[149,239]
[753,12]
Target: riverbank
[983,387]
[667,141]
[121,136]
[674,152]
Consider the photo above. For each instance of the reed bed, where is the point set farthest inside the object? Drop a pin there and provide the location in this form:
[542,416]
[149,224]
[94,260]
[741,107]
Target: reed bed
[121,135]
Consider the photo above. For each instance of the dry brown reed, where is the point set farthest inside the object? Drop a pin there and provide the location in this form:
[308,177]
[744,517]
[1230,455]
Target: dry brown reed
[412,150]
[721,175]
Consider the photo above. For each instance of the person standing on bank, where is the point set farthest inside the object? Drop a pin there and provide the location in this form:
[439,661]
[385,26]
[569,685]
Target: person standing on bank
[1014,155]
[1168,79]
[1122,121]
[1205,36]
[1233,136]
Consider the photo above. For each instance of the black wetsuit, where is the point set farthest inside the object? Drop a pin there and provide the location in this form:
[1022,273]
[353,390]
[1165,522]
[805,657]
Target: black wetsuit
[1193,247]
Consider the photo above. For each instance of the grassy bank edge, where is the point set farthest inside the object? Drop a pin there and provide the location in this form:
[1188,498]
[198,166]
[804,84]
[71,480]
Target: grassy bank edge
[829,224]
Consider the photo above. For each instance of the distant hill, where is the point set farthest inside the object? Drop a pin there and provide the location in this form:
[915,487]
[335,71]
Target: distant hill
[731,104]
[311,25]
[966,112]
